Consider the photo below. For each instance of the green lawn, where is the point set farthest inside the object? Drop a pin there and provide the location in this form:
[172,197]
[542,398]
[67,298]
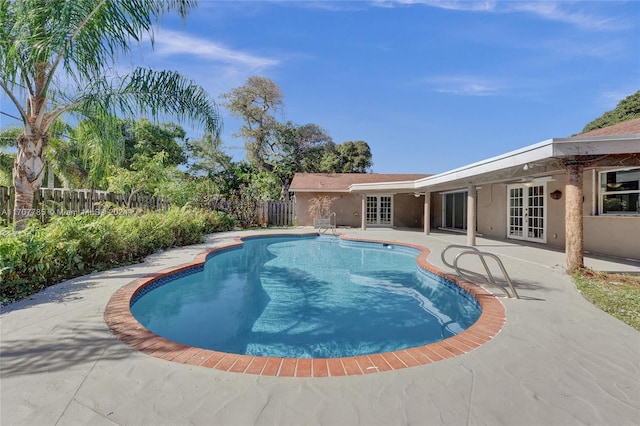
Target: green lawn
[616,294]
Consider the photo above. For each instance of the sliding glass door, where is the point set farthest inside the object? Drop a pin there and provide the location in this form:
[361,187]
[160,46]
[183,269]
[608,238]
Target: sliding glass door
[454,210]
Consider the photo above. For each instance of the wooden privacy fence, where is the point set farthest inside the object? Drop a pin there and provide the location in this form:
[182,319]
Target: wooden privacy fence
[74,202]
[277,213]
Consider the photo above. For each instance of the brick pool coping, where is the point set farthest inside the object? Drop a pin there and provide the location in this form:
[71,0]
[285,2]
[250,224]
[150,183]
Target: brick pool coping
[127,329]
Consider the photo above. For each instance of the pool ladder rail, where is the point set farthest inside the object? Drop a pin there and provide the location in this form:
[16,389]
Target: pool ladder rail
[326,224]
[489,279]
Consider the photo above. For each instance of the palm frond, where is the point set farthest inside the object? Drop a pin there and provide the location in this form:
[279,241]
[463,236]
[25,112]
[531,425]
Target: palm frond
[153,93]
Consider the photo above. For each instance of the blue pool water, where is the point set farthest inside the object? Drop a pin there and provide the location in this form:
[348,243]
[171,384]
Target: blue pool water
[307,297]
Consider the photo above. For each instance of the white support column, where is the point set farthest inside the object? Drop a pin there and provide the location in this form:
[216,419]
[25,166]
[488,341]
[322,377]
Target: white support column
[427,213]
[471,215]
[363,215]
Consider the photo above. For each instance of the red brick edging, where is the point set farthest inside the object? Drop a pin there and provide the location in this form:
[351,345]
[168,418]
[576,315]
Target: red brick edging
[127,329]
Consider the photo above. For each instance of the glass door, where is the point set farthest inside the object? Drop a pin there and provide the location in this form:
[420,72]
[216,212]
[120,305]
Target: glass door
[526,212]
[379,210]
[454,210]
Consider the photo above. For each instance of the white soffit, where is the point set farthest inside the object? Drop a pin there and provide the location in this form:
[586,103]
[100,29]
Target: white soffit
[545,150]
[601,145]
[383,186]
[520,157]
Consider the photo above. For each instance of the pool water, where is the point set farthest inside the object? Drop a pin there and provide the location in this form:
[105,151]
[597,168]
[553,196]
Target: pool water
[307,297]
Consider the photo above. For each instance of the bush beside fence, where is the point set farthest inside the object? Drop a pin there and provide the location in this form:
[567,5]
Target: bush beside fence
[48,203]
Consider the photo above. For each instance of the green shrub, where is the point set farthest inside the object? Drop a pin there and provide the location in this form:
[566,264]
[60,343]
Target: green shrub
[68,247]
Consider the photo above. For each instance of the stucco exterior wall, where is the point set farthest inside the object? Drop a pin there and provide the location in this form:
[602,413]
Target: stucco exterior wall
[492,211]
[436,210]
[555,212]
[610,235]
[408,211]
[613,236]
[346,206]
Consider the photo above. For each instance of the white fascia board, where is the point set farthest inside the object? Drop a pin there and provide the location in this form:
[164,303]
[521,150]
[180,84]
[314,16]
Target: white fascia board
[550,148]
[407,185]
[520,157]
[600,145]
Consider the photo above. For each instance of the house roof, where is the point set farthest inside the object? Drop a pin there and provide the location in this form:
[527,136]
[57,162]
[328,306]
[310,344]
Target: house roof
[629,127]
[533,161]
[340,182]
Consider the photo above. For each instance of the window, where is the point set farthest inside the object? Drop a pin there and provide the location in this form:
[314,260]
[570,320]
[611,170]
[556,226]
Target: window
[620,192]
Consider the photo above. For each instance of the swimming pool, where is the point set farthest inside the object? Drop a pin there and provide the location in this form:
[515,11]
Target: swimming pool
[307,297]
[128,329]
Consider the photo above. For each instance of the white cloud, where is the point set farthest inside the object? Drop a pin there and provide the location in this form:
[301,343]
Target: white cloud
[561,12]
[558,11]
[465,5]
[463,85]
[169,43]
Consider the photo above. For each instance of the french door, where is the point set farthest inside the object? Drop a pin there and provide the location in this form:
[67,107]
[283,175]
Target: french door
[379,210]
[526,212]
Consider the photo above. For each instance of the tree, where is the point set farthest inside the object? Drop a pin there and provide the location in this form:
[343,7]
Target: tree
[348,157]
[59,56]
[67,157]
[143,137]
[205,156]
[295,149]
[627,109]
[256,103]
[7,138]
[148,176]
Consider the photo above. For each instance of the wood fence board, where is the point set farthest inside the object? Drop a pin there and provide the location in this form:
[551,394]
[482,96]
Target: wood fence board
[71,202]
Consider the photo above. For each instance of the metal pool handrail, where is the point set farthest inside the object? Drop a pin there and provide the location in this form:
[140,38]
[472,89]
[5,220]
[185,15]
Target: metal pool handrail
[468,250]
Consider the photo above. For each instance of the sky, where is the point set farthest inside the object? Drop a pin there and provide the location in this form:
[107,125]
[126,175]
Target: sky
[429,85]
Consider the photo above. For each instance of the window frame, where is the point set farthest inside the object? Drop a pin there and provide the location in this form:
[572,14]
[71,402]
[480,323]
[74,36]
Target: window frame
[602,192]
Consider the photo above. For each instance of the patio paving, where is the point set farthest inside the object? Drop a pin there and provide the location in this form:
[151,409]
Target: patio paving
[557,361]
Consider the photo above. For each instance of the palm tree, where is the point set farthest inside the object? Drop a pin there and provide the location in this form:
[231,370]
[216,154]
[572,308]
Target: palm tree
[59,55]
[8,136]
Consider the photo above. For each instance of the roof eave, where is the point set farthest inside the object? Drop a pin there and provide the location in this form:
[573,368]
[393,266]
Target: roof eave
[400,186]
[520,157]
[317,190]
[596,145]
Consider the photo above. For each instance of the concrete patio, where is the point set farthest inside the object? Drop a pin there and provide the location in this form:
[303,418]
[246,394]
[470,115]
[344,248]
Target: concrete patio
[558,361]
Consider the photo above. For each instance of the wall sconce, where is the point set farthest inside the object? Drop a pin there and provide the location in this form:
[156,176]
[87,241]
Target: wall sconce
[416,194]
[556,195]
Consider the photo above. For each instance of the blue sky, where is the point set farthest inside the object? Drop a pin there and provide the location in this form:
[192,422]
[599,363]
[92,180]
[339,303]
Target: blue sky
[430,86]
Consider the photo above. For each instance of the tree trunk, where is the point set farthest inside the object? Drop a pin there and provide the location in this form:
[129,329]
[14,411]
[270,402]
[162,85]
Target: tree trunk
[574,218]
[28,173]
[286,183]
